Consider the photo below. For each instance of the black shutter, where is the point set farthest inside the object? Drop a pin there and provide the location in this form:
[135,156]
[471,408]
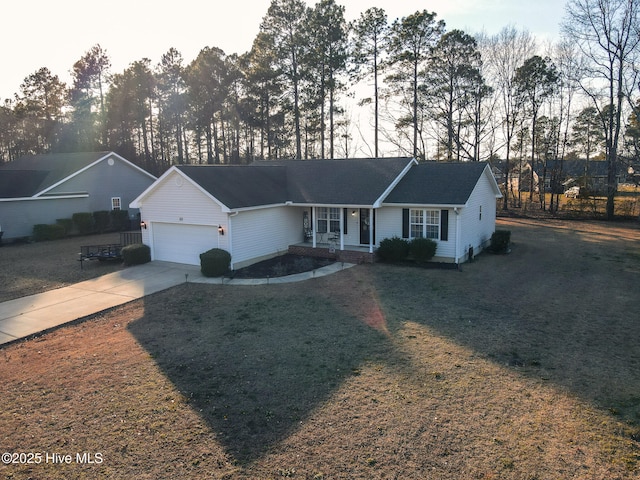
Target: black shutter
[444,225]
[374,225]
[405,223]
[345,220]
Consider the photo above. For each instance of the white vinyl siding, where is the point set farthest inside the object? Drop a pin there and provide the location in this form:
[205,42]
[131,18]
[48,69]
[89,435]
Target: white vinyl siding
[478,217]
[389,224]
[176,201]
[351,226]
[264,233]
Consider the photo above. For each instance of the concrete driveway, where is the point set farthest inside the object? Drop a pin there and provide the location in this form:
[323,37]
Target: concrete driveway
[26,316]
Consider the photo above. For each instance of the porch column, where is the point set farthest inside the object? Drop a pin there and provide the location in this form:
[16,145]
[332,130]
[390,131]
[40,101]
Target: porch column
[313,225]
[371,226]
[342,229]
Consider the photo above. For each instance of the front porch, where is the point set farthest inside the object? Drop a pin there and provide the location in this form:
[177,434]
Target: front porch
[346,234]
[351,254]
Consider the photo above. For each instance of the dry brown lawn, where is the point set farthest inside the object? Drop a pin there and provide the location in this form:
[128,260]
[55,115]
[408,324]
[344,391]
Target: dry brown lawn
[30,268]
[520,366]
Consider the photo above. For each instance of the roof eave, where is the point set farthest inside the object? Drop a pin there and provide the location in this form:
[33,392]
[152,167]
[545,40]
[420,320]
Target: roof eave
[45,197]
[249,208]
[84,169]
[423,205]
[492,180]
[395,182]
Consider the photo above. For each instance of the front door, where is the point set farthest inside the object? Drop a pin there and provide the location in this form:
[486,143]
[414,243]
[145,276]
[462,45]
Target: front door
[365,225]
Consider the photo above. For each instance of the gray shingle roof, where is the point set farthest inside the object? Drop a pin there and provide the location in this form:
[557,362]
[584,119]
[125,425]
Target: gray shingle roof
[342,182]
[241,186]
[321,182]
[337,182]
[29,175]
[436,183]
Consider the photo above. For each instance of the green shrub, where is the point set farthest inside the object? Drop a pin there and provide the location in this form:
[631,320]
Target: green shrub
[101,220]
[83,222]
[136,254]
[42,232]
[119,220]
[393,249]
[422,249]
[215,262]
[66,223]
[500,241]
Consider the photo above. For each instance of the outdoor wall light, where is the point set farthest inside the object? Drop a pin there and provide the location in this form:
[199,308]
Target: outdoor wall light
[143,225]
[220,230]
[353,213]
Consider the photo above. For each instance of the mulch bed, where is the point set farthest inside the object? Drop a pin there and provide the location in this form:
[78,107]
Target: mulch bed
[287,264]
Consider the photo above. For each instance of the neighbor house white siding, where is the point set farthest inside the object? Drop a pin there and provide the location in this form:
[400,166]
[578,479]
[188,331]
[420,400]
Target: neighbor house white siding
[264,233]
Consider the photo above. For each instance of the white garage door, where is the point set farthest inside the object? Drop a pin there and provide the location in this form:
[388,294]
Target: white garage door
[174,242]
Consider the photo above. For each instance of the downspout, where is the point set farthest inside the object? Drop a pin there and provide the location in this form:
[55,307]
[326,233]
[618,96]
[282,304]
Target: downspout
[457,212]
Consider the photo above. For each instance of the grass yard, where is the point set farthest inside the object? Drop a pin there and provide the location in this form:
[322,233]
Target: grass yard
[31,268]
[520,366]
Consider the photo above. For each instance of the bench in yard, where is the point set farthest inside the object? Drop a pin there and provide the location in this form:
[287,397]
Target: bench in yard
[112,251]
[109,251]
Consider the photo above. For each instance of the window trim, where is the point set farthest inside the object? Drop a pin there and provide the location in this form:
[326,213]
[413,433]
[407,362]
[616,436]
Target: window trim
[430,218]
[115,200]
[328,220]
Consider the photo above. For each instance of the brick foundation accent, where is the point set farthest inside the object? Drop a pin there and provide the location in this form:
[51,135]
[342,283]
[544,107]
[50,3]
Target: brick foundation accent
[347,256]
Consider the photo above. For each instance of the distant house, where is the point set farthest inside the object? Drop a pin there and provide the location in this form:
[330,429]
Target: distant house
[562,175]
[318,207]
[38,189]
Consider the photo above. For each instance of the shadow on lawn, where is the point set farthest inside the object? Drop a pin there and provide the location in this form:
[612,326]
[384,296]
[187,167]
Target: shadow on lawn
[562,307]
[254,362]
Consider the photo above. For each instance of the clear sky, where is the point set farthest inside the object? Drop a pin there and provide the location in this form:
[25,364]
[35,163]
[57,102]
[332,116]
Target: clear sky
[55,34]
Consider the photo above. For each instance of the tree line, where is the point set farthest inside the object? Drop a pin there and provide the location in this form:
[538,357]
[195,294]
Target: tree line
[425,91]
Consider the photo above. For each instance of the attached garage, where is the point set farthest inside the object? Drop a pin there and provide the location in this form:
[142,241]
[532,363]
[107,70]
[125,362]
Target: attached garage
[179,243]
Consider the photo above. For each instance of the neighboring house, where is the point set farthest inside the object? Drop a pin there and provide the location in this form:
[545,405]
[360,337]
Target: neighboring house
[498,168]
[345,207]
[39,189]
[568,173]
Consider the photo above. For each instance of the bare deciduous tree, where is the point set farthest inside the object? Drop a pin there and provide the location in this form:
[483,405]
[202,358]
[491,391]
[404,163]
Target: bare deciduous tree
[607,34]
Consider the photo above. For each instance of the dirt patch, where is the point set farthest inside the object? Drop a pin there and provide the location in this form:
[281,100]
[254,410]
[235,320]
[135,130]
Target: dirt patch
[520,366]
